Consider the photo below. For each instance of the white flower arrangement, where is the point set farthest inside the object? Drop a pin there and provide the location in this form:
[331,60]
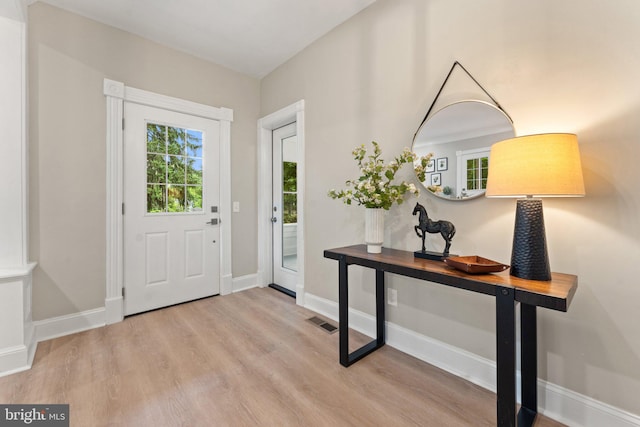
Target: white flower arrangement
[375,188]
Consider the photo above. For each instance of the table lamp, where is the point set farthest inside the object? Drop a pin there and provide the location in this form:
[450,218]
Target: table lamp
[544,165]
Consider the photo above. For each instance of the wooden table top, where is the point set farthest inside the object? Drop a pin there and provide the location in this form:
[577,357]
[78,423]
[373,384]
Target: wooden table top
[555,294]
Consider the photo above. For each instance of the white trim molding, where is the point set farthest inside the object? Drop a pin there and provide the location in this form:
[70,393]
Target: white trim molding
[17,344]
[266,125]
[69,324]
[243,283]
[554,401]
[116,94]
[17,340]
[225,117]
[83,321]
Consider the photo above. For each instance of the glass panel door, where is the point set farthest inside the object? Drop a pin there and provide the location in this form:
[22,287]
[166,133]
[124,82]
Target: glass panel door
[285,207]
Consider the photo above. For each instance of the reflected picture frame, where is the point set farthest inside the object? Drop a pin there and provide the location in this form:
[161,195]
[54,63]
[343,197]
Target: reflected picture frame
[436,179]
[431,166]
[442,164]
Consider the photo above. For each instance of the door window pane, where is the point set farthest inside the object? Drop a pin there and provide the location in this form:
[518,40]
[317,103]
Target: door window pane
[174,169]
[175,140]
[289,204]
[176,198]
[289,208]
[289,196]
[194,143]
[289,170]
[194,171]
[156,137]
[156,198]
[194,198]
[156,169]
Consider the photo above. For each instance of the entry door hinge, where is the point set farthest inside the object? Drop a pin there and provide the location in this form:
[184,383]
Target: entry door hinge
[123,292]
[123,209]
[123,123]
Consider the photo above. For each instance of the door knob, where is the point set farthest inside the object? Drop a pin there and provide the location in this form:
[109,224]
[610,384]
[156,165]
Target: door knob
[214,221]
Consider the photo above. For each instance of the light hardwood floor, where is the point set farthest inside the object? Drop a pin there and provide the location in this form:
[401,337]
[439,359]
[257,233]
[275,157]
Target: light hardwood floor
[247,359]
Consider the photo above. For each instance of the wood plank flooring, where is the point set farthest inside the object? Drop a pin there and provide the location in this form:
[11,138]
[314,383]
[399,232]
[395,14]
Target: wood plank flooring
[246,359]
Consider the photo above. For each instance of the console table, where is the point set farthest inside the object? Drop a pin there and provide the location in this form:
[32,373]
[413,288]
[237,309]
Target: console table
[507,290]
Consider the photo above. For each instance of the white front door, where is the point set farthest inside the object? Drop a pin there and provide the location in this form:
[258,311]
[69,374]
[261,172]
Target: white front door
[285,207]
[171,204]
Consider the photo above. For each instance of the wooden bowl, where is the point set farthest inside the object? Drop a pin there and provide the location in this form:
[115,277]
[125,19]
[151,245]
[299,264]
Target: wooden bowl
[474,264]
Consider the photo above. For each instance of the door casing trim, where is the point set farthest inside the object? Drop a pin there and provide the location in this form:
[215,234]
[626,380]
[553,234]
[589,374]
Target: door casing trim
[116,94]
[266,125]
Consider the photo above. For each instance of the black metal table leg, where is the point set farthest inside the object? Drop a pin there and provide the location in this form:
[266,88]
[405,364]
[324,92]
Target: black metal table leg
[343,311]
[380,313]
[347,358]
[528,365]
[506,356]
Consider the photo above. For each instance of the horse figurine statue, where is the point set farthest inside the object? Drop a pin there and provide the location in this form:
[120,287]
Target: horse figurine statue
[446,229]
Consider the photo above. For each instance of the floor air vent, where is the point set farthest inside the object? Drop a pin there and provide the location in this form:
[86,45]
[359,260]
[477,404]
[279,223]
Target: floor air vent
[328,327]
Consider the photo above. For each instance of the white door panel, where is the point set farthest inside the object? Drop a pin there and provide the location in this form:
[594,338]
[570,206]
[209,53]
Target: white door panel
[285,189]
[171,253]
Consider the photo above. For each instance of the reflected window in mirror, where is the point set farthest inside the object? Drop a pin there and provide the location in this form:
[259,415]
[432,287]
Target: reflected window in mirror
[473,169]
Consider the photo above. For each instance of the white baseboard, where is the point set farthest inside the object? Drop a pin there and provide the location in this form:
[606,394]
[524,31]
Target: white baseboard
[112,313]
[554,401]
[459,362]
[575,409]
[19,358]
[16,359]
[17,340]
[244,282]
[69,324]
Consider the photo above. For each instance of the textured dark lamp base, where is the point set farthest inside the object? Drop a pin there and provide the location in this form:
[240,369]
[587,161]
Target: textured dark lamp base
[529,258]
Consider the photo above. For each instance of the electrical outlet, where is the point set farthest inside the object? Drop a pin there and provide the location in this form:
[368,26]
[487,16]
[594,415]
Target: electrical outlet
[236,206]
[392,297]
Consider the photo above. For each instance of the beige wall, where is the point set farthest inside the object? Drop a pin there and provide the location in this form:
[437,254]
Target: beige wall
[69,56]
[569,66]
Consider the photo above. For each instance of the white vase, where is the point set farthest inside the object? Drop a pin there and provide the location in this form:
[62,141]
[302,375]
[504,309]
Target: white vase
[374,229]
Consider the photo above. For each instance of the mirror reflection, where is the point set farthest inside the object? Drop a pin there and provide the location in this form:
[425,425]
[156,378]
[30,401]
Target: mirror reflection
[460,136]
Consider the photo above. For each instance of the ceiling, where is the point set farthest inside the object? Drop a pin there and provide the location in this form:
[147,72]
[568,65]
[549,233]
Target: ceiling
[250,36]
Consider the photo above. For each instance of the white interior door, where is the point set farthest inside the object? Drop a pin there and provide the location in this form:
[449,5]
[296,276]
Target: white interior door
[285,207]
[171,204]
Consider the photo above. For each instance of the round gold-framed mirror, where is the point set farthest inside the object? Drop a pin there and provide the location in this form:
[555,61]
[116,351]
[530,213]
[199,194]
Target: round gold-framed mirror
[460,136]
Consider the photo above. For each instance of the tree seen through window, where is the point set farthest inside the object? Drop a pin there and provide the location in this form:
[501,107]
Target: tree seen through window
[289,195]
[174,169]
